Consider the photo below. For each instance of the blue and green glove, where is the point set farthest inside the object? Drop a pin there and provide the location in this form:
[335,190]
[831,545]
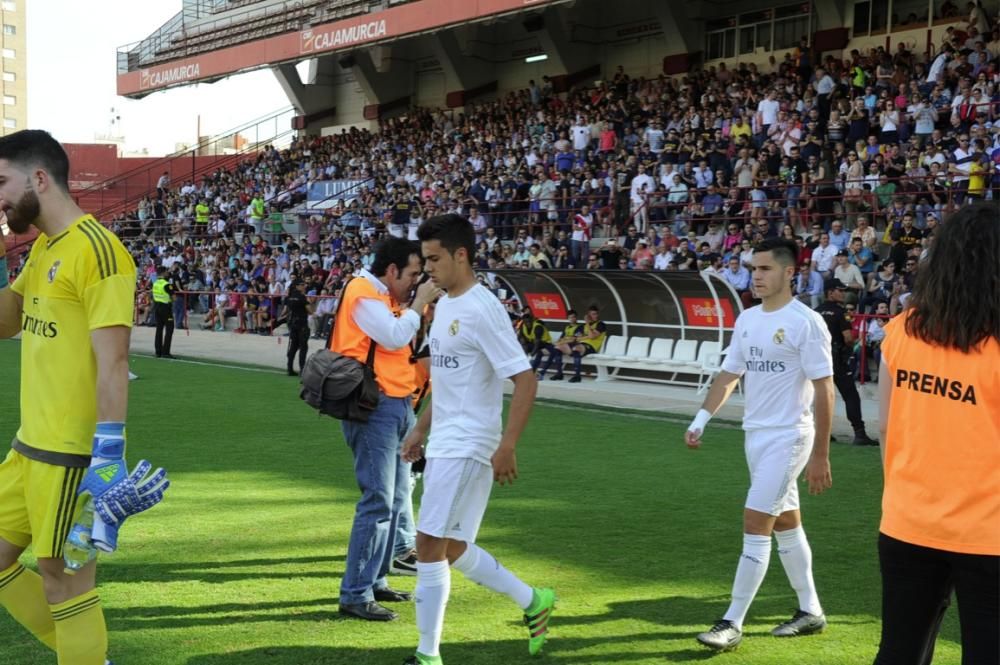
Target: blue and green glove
[117,494]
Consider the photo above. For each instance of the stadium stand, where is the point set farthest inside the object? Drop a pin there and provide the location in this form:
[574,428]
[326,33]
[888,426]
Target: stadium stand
[676,173]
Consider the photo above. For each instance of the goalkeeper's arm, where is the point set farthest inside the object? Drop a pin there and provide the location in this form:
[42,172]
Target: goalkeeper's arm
[117,494]
[111,351]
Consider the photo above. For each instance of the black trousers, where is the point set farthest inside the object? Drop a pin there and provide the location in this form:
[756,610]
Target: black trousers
[298,342]
[844,380]
[917,583]
[163,312]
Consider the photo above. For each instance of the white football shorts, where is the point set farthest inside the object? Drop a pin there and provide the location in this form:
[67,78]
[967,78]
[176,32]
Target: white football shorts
[456,492]
[776,458]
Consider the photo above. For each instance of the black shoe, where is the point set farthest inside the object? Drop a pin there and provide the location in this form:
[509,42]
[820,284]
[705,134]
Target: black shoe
[292,372]
[574,379]
[861,438]
[404,564]
[370,611]
[557,377]
[387,595]
[169,357]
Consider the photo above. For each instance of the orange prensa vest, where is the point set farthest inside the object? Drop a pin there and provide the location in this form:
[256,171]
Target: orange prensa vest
[942,448]
[393,370]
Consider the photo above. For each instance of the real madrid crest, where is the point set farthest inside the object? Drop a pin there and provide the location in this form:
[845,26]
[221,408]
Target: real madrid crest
[779,336]
[453,328]
[52,271]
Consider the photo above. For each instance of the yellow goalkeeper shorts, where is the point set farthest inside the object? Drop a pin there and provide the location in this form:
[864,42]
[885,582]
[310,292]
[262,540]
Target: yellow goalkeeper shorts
[37,501]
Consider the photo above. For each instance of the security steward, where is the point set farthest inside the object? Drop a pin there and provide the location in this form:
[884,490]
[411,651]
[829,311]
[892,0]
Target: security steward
[839,322]
[297,311]
[163,313]
[534,338]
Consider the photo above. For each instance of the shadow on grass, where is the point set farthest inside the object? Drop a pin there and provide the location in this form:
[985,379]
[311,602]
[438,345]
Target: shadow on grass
[559,650]
[668,611]
[218,572]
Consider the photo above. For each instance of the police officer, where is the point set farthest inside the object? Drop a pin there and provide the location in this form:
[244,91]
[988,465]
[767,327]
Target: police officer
[297,310]
[163,313]
[839,323]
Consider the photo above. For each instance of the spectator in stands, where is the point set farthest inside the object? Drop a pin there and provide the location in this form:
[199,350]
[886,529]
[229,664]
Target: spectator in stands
[808,285]
[739,278]
[824,256]
[861,256]
[849,275]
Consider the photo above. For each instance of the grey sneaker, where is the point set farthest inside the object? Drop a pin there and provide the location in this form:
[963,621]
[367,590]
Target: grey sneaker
[723,636]
[801,623]
[405,564]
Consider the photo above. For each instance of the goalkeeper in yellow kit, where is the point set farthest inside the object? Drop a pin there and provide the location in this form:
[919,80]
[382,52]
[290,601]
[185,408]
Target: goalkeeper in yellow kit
[72,304]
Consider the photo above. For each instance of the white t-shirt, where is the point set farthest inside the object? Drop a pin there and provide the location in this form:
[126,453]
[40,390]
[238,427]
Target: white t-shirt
[581,137]
[473,349]
[781,353]
[768,109]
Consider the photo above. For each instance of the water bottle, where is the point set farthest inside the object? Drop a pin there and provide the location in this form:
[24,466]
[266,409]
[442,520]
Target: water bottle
[78,550]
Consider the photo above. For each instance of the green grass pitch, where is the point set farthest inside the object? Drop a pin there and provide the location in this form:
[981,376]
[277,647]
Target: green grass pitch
[640,537]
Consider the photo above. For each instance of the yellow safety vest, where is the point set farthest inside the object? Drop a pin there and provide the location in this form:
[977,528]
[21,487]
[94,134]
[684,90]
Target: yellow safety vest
[160,291]
[597,342]
[529,333]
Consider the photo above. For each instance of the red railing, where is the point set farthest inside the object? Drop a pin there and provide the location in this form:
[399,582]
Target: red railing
[866,320]
[238,299]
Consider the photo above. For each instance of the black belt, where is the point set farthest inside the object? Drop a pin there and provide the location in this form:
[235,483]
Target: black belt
[51,457]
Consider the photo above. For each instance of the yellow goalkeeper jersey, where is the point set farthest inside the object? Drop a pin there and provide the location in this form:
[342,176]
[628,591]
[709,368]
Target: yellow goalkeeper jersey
[73,283]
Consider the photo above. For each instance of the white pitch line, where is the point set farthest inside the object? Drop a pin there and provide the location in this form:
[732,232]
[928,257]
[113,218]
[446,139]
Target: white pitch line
[214,364]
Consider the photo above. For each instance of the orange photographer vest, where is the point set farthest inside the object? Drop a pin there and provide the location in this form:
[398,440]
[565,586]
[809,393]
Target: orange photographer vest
[393,371]
[942,448]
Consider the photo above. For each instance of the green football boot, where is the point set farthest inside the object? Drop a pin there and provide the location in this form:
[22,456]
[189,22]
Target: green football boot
[536,618]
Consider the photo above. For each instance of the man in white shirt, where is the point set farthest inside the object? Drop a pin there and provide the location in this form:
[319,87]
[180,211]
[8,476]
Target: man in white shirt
[581,135]
[583,224]
[374,311]
[642,184]
[848,273]
[473,349]
[654,137]
[783,349]
[823,256]
[767,112]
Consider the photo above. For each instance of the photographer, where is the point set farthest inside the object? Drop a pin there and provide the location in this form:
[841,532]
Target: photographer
[374,310]
[610,254]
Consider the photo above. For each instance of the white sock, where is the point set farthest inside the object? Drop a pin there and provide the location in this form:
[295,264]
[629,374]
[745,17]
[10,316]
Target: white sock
[796,557]
[749,575]
[431,596]
[479,566]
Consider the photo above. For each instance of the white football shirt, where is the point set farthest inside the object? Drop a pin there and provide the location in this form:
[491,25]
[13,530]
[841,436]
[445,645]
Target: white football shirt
[780,353]
[473,349]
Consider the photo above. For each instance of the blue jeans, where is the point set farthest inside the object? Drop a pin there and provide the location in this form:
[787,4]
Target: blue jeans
[579,250]
[180,312]
[384,480]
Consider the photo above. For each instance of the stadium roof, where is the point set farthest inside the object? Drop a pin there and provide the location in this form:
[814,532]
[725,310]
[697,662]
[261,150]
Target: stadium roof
[142,70]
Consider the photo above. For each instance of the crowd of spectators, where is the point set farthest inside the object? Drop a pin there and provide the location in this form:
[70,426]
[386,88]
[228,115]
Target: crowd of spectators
[856,159]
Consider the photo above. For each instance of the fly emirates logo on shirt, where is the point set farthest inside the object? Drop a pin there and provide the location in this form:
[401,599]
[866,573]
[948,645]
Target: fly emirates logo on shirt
[443,360]
[757,363]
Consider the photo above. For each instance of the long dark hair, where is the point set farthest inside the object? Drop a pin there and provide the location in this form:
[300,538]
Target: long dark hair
[956,295]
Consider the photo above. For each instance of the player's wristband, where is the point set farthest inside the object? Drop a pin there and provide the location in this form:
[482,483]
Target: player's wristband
[700,420]
[109,442]
[4,274]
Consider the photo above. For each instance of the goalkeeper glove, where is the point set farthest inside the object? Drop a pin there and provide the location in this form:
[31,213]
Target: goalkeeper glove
[117,494]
